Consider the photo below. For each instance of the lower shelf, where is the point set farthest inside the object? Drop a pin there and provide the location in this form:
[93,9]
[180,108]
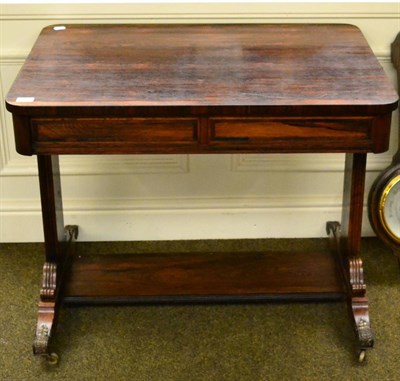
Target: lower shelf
[127,278]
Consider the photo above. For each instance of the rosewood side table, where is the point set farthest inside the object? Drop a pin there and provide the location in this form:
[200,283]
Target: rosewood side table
[191,89]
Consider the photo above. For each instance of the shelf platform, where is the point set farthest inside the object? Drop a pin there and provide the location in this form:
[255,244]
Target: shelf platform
[203,277]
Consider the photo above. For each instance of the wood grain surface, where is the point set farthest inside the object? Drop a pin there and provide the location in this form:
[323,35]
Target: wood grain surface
[211,275]
[204,65]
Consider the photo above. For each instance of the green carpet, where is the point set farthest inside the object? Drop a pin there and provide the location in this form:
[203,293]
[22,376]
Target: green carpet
[244,342]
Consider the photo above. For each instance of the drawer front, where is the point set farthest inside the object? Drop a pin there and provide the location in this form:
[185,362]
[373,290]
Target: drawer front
[119,134]
[293,134]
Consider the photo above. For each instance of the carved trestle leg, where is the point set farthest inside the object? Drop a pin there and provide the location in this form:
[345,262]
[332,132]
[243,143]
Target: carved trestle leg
[56,238]
[347,239]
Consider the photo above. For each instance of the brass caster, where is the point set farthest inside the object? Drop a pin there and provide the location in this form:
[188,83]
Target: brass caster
[362,355]
[52,358]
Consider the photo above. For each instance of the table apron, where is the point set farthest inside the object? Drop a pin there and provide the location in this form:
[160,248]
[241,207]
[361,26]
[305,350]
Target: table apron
[148,135]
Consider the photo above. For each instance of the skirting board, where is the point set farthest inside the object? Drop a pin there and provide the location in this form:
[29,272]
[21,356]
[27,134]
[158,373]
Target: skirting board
[178,224]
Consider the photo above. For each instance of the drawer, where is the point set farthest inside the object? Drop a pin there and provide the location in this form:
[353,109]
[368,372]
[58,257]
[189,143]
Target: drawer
[296,134]
[112,135]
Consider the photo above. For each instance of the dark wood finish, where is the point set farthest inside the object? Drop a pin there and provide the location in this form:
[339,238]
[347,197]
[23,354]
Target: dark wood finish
[128,134]
[22,134]
[225,134]
[350,246]
[57,251]
[353,202]
[132,89]
[51,198]
[306,134]
[157,276]
[289,71]
[53,226]
[203,65]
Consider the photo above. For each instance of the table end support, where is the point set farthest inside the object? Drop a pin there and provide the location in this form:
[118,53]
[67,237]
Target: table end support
[57,245]
[346,242]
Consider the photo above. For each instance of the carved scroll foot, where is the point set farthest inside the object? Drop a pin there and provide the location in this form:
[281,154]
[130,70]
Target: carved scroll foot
[49,301]
[362,325]
[47,310]
[365,334]
[42,336]
[359,306]
[41,341]
[352,268]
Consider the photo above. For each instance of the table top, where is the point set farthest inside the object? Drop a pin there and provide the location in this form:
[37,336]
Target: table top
[101,66]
